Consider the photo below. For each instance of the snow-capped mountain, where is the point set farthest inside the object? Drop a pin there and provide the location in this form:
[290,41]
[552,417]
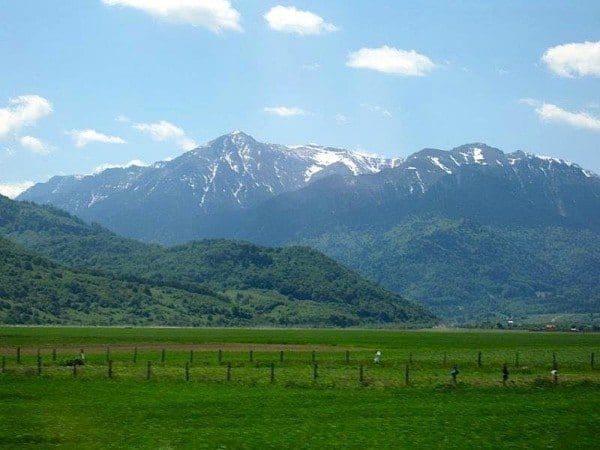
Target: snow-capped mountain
[473,182]
[470,232]
[427,167]
[231,172]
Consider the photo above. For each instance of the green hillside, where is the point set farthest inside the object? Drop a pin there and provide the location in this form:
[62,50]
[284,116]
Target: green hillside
[34,290]
[209,282]
[472,272]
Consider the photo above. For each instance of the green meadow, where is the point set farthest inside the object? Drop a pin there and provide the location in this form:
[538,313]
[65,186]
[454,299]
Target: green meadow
[273,388]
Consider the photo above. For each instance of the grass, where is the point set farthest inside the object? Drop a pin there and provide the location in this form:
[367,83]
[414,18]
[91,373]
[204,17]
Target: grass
[92,411]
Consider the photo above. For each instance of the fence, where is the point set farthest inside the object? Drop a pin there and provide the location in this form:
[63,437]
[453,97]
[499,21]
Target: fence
[293,368]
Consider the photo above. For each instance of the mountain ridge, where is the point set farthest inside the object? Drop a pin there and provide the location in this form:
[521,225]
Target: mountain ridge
[190,196]
[204,173]
[526,224]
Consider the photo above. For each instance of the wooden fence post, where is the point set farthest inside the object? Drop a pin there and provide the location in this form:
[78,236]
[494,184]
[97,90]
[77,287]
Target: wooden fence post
[187,371]
[251,355]
[53,354]
[361,378]
[315,373]
[163,356]
[39,365]
[191,356]
[220,357]
[18,355]
[110,368]
[407,375]
[479,359]
[148,370]
[228,371]
[347,356]
[554,362]
[135,355]
[281,356]
[272,372]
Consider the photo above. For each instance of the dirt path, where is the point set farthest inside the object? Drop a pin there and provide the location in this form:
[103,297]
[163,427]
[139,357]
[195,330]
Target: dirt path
[202,347]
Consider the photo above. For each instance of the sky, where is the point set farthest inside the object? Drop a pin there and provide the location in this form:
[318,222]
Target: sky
[90,84]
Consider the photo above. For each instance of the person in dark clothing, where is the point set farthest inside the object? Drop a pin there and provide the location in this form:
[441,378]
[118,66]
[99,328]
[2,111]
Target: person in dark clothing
[504,374]
[454,373]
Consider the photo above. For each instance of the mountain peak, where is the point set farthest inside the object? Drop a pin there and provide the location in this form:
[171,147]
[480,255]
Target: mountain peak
[236,138]
[239,133]
[479,153]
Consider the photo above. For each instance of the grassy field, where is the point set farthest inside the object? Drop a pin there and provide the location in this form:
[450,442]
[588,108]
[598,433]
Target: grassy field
[249,409]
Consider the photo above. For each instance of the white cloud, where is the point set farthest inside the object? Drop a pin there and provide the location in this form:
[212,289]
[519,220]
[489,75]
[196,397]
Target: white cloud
[575,59]
[165,131]
[391,60]
[13,190]
[188,144]
[103,167]
[160,131]
[85,137]
[35,145]
[23,110]
[552,113]
[216,15]
[292,20]
[123,119]
[284,111]
[378,110]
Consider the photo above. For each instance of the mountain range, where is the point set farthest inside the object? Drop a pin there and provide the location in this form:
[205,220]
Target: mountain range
[233,172]
[473,233]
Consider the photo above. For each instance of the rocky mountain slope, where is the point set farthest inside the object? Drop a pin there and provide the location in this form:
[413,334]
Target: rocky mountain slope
[474,182]
[173,198]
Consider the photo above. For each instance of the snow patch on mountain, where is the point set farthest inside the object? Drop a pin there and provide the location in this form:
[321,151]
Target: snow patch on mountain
[308,173]
[321,157]
[436,161]
[478,155]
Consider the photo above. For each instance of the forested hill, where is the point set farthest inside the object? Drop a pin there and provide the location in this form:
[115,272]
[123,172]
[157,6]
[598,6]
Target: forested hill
[35,290]
[258,285]
[468,272]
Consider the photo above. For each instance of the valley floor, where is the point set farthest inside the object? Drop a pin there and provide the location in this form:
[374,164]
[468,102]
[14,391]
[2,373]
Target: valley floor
[45,405]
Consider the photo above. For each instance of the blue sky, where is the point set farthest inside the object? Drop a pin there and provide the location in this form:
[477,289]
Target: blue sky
[96,82]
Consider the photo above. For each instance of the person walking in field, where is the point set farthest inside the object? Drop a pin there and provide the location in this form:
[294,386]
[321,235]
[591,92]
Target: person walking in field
[377,358]
[504,374]
[454,373]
